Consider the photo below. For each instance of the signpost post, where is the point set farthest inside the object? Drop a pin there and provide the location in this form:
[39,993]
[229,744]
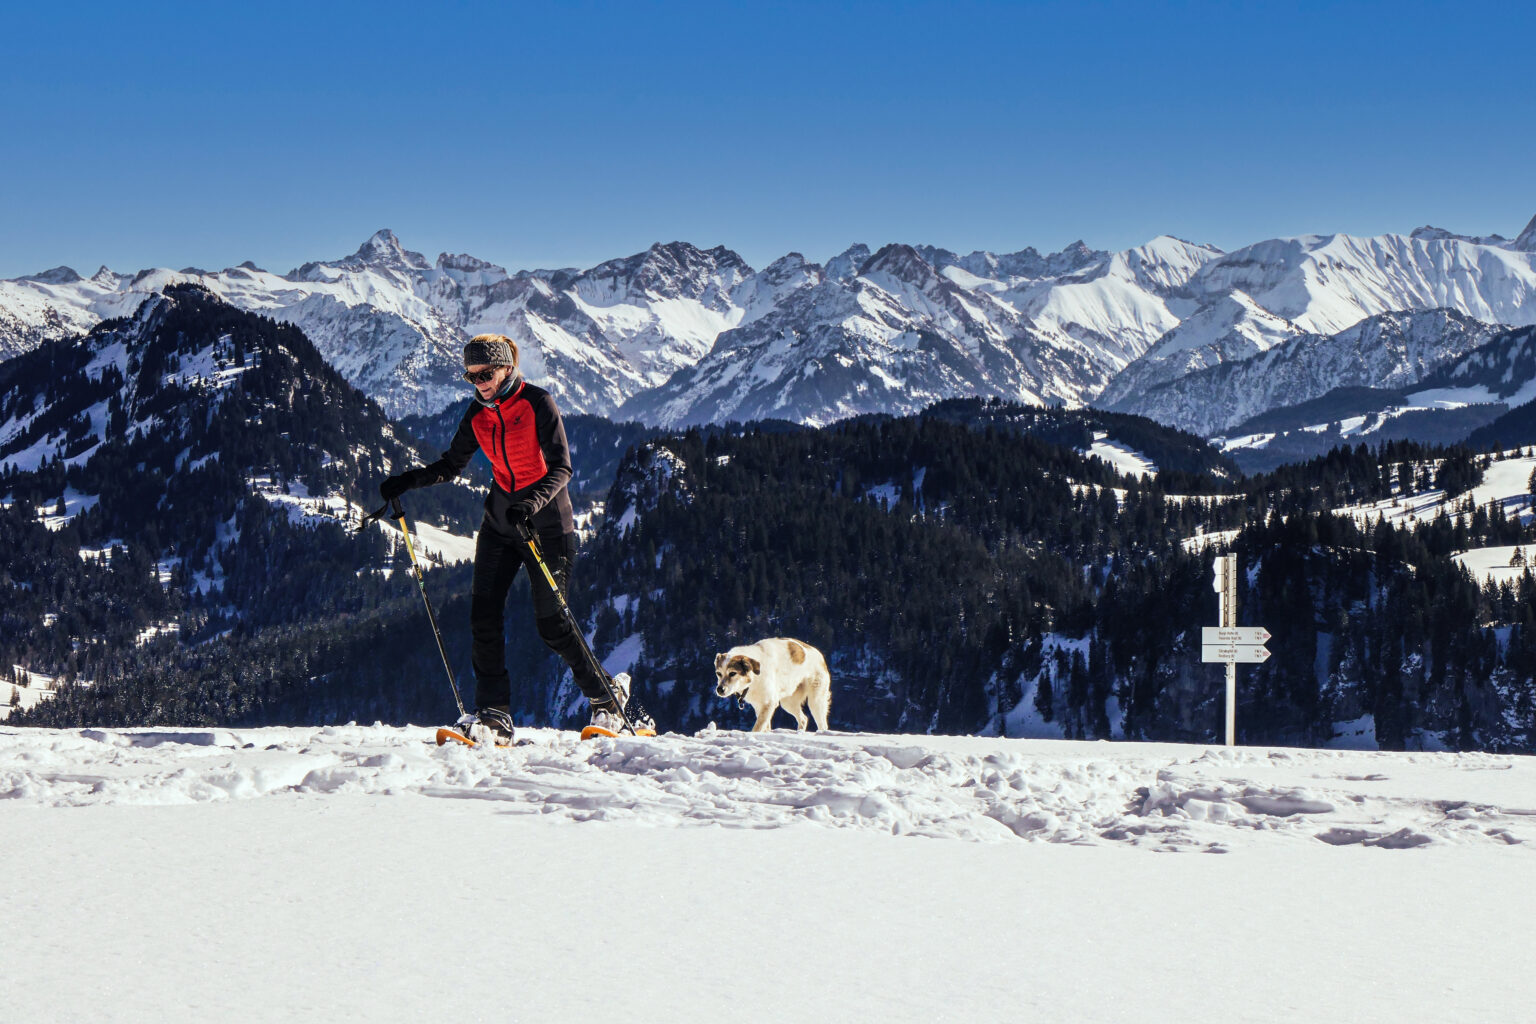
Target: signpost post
[1229,643]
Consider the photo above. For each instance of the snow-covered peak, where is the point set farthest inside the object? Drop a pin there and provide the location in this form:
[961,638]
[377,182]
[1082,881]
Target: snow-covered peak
[1073,257]
[1025,265]
[1235,313]
[1061,325]
[671,269]
[676,262]
[381,252]
[1229,328]
[788,266]
[900,263]
[384,249]
[764,291]
[846,264]
[1526,241]
[467,264]
[1430,233]
[1327,283]
[1163,266]
[58,275]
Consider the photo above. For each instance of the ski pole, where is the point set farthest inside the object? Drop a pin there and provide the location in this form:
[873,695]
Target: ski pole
[526,533]
[398,511]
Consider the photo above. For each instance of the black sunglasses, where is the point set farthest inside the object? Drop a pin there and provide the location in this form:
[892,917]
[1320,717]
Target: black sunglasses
[481,376]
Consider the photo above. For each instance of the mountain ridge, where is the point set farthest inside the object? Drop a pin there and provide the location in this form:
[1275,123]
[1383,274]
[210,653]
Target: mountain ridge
[638,335]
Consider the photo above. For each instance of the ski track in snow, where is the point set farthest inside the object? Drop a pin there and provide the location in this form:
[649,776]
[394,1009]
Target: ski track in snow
[1155,796]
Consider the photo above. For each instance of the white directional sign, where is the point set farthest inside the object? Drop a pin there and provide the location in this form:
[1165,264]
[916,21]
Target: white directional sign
[1234,654]
[1226,636]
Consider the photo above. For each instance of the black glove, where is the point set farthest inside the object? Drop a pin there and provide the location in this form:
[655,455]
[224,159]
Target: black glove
[398,484]
[520,512]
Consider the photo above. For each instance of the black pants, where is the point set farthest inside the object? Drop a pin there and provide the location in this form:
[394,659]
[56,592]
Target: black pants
[497,560]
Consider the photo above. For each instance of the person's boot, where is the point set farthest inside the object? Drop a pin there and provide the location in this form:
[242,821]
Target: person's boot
[488,725]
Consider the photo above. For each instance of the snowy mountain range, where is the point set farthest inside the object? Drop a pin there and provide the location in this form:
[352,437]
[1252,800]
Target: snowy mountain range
[1404,380]
[1387,350]
[393,324]
[677,334]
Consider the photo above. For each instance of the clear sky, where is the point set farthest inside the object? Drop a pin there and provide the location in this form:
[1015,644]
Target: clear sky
[562,134]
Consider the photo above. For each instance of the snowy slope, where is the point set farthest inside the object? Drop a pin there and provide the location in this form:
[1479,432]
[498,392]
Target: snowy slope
[1232,328]
[1505,483]
[362,874]
[1123,303]
[24,689]
[1497,565]
[52,305]
[1326,283]
[1122,459]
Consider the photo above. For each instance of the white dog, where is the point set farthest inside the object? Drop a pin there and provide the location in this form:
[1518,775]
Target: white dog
[776,673]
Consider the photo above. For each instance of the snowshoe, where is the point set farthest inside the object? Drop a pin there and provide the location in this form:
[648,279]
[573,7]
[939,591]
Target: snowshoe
[606,720]
[484,727]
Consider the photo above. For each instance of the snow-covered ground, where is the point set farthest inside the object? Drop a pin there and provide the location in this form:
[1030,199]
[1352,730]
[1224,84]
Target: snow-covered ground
[1498,564]
[1218,539]
[1505,482]
[363,874]
[1121,459]
[1364,428]
[441,546]
[23,689]
[434,545]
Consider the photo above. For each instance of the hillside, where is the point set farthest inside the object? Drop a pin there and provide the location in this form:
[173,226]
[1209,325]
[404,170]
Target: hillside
[1462,398]
[177,490]
[978,568]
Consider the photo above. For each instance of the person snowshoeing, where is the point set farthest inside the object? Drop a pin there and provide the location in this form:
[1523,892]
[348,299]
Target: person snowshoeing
[519,428]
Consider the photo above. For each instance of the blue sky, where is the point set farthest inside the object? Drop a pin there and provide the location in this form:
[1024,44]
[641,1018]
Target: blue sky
[562,134]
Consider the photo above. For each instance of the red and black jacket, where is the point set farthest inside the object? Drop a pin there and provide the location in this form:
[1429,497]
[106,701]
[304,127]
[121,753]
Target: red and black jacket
[521,432]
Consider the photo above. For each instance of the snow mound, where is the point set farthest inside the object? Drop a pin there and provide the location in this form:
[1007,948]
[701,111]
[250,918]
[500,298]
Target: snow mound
[964,788]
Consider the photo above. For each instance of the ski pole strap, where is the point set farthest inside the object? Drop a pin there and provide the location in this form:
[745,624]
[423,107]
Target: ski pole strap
[372,517]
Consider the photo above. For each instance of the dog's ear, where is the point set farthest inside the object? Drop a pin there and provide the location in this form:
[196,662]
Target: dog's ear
[719,662]
[754,664]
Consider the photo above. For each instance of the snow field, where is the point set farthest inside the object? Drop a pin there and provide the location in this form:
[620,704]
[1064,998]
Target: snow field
[362,874]
[433,544]
[977,789]
[1121,459]
[74,504]
[23,689]
[1505,482]
[1498,564]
